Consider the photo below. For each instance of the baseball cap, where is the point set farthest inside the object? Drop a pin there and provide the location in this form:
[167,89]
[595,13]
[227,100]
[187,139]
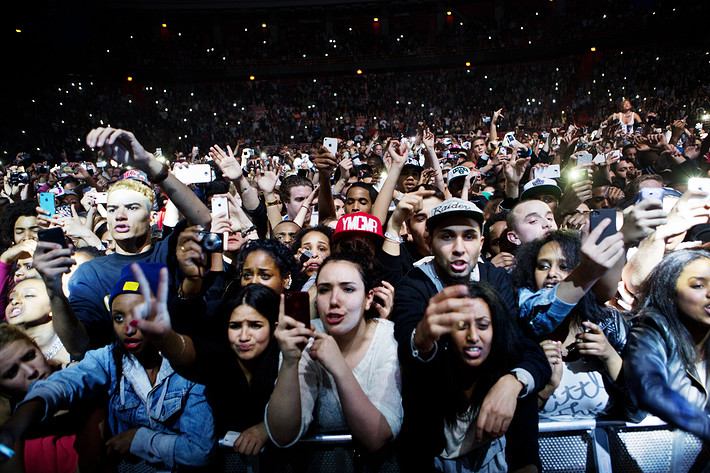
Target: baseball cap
[540,186]
[358,223]
[136,175]
[458,171]
[128,283]
[451,207]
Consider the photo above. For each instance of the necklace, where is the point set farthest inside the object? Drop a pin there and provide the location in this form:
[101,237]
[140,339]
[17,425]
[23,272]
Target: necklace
[54,349]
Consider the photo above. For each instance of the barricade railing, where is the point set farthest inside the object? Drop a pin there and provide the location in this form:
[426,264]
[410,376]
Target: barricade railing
[576,446]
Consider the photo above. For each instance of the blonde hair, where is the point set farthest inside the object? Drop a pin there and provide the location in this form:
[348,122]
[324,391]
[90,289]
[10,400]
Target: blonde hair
[10,333]
[136,186]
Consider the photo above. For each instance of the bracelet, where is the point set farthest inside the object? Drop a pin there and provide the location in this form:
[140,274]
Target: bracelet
[393,238]
[161,176]
[182,339]
[272,203]
[248,231]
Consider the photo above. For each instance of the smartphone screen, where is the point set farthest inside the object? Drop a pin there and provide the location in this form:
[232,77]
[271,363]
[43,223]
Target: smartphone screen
[595,218]
[297,305]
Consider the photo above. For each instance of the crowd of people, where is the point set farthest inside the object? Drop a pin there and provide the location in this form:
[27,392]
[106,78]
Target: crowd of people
[431,288]
[269,114]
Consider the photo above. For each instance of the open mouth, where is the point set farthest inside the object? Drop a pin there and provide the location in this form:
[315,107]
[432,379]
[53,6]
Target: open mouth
[473,352]
[132,344]
[459,266]
[122,228]
[334,319]
[550,284]
[15,312]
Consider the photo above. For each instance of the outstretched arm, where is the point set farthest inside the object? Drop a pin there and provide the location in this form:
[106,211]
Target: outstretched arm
[123,146]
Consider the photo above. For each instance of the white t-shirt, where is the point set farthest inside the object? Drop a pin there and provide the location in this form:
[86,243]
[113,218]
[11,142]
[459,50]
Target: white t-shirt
[581,393]
[377,373]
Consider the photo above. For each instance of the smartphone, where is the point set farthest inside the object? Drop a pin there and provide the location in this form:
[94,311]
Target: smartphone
[331,144]
[509,139]
[650,193]
[46,201]
[52,235]
[298,306]
[596,216]
[549,172]
[584,158]
[220,205]
[6,452]
[194,174]
[699,184]
[247,153]
[305,256]
[229,439]
[101,198]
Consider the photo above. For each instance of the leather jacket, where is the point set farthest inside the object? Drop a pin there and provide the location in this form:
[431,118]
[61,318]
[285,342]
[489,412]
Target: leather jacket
[658,381]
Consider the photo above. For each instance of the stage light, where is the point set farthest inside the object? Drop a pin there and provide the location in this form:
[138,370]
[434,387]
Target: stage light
[165,25]
[468,64]
[375,19]
[18,30]
[251,77]
[263,25]
[593,49]
[448,13]
[129,78]
[359,71]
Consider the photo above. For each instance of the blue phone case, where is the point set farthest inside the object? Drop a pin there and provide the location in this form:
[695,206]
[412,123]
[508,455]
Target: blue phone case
[46,201]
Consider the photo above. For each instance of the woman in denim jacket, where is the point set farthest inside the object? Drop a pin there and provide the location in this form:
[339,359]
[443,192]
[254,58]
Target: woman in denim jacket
[153,413]
[666,361]
[580,336]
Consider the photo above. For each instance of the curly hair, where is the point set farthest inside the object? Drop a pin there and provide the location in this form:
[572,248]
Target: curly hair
[9,216]
[281,253]
[523,275]
[296,244]
[136,186]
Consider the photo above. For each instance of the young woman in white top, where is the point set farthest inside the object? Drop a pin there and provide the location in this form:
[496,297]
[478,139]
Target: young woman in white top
[347,379]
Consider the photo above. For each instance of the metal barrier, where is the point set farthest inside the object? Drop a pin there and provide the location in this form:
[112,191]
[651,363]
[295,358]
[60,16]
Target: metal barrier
[585,446]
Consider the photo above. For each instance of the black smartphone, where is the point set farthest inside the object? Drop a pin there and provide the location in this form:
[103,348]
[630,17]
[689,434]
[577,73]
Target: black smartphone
[52,235]
[298,306]
[596,216]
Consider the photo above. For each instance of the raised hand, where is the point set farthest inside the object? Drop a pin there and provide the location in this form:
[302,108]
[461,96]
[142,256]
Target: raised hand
[292,336]
[386,294]
[190,255]
[325,351]
[122,146]
[266,180]
[230,165]
[152,316]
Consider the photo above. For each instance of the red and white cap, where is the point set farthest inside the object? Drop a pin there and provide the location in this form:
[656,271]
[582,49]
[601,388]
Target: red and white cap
[358,223]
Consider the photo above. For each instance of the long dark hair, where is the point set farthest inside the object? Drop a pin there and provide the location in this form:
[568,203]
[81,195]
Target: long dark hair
[503,356]
[524,273]
[266,302]
[659,295]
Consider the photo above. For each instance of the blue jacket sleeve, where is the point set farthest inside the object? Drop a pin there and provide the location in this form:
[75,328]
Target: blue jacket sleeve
[542,312]
[195,443]
[82,381]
